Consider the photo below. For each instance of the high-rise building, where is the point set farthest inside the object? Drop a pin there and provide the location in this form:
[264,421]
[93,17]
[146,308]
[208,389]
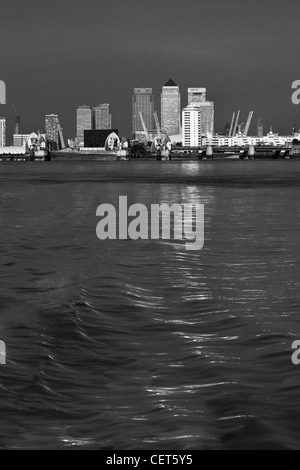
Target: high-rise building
[142,102]
[20,139]
[191,126]
[2,92]
[197,98]
[2,132]
[171,109]
[196,95]
[103,118]
[52,123]
[85,120]
[17,124]
[226,129]
[260,129]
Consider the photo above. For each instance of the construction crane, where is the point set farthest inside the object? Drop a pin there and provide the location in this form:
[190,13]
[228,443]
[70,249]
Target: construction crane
[236,124]
[61,136]
[157,125]
[231,125]
[144,127]
[248,124]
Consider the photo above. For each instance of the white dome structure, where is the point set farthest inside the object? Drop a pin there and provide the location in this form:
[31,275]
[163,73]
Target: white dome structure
[112,142]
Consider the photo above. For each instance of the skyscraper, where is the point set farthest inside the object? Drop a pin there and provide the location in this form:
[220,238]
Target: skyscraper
[260,129]
[2,92]
[196,95]
[171,109]
[52,123]
[197,98]
[142,102]
[84,121]
[103,118]
[20,140]
[2,132]
[17,124]
[197,118]
[191,126]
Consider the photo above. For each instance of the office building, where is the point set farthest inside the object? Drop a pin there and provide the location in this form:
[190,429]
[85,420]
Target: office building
[171,109]
[52,123]
[20,140]
[2,132]
[143,102]
[102,116]
[85,118]
[191,126]
[196,95]
[197,98]
[260,129]
[17,124]
[197,118]
[2,92]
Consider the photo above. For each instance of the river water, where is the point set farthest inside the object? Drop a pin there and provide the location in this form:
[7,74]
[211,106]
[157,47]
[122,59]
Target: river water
[141,344]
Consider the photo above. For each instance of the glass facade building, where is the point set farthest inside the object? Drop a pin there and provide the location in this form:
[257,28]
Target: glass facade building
[85,120]
[142,102]
[171,109]
[51,125]
[197,98]
[103,118]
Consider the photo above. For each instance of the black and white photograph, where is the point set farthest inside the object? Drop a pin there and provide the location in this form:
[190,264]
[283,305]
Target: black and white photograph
[150,228]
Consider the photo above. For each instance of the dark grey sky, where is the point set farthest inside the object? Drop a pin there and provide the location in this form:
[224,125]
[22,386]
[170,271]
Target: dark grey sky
[58,54]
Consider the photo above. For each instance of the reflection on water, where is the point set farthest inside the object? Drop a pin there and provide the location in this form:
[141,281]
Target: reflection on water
[142,344]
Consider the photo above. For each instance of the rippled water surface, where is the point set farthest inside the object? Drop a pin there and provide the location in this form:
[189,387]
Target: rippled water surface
[142,344]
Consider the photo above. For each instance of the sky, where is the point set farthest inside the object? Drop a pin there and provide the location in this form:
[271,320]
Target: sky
[59,54]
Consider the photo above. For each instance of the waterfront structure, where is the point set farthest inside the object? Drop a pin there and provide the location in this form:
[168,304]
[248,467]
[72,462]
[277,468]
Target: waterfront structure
[271,139]
[95,139]
[85,120]
[103,117]
[12,151]
[171,109]
[19,140]
[191,126]
[52,132]
[143,104]
[2,132]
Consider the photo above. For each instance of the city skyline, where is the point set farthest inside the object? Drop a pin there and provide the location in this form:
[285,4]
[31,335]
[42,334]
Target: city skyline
[236,60]
[99,117]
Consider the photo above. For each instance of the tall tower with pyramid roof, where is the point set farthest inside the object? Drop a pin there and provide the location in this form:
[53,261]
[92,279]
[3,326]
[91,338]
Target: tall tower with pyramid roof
[171,108]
